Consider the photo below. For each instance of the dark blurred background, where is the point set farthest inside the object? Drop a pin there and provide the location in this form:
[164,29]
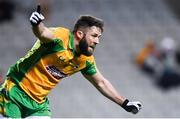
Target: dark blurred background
[128,26]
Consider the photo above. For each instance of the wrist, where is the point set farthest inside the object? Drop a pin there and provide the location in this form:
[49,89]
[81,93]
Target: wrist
[35,25]
[124,103]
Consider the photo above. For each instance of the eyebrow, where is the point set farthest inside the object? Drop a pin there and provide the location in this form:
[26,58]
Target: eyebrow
[97,34]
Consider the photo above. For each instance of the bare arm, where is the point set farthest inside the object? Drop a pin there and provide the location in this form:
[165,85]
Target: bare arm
[43,33]
[38,28]
[105,87]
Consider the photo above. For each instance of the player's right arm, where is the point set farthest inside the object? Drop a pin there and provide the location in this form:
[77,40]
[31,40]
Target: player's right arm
[38,28]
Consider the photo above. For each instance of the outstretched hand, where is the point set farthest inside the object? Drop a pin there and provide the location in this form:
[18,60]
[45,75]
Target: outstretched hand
[132,107]
[36,17]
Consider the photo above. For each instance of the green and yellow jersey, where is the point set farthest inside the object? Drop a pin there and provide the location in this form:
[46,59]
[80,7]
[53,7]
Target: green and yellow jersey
[46,64]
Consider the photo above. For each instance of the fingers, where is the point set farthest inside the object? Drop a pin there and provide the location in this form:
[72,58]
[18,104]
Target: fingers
[132,107]
[36,17]
[136,107]
[38,8]
[135,104]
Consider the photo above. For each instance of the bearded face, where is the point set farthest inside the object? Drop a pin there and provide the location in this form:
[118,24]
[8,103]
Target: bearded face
[84,47]
[89,40]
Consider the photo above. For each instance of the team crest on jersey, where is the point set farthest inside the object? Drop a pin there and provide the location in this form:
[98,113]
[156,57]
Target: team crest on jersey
[55,72]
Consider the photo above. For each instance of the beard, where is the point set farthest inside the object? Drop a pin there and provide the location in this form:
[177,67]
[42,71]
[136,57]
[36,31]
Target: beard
[84,47]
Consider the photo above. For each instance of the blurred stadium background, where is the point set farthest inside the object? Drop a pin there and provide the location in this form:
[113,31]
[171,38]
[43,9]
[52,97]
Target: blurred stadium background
[128,24]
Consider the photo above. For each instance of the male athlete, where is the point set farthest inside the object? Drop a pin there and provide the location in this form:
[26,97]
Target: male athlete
[57,53]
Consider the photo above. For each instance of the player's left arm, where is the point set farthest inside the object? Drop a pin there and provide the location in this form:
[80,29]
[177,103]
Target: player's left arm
[107,89]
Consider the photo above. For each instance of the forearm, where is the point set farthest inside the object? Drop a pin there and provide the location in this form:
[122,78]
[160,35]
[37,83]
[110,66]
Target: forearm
[38,30]
[42,33]
[106,88]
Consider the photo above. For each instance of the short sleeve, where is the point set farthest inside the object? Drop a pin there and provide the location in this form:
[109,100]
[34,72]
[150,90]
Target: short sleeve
[90,68]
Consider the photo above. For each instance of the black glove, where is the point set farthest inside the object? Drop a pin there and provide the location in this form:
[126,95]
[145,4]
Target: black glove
[132,107]
[36,17]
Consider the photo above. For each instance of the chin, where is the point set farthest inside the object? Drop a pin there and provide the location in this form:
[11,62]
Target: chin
[87,54]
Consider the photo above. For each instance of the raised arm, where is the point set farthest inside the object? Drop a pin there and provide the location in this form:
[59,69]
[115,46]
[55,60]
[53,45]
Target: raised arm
[38,28]
[107,89]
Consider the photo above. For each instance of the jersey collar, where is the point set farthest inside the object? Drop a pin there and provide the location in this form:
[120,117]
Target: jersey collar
[71,43]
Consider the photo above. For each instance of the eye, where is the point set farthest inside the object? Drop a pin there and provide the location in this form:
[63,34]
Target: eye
[95,35]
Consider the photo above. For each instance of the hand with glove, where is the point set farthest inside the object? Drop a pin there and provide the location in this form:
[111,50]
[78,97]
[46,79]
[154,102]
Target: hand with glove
[39,29]
[36,17]
[132,107]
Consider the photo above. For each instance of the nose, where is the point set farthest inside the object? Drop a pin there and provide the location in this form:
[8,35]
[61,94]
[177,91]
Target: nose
[96,41]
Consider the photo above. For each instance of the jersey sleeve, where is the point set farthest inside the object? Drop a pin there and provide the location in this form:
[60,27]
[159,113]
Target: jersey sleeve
[61,34]
[90,68]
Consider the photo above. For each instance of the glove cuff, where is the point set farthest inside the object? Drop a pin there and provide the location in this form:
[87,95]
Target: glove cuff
[35,24]
[124,104]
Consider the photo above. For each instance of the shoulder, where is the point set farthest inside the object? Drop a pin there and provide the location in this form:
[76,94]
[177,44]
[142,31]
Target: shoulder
[88,60]
[62,34]
[60,31]
[90,66]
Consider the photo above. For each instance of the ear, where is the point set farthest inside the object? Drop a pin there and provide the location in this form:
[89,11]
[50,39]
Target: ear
[79,34]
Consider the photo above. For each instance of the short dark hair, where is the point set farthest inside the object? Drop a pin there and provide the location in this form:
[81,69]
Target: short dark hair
[85,21]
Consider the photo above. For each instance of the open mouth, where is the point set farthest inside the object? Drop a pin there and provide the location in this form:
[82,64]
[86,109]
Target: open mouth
[92,47]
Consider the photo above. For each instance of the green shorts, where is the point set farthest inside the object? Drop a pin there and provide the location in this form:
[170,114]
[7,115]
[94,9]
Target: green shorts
[16,103]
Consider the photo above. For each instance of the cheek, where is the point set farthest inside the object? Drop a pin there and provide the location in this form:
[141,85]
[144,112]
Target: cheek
[90,41]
